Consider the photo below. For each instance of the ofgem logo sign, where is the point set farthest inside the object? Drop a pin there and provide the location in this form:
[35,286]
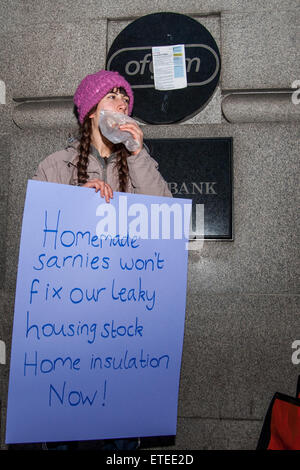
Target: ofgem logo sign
[140,69]
[131,55]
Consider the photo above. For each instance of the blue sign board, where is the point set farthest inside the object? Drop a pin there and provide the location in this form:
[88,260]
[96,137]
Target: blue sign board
[99,316]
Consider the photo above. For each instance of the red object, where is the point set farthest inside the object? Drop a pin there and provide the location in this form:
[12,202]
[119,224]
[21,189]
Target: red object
[281,428]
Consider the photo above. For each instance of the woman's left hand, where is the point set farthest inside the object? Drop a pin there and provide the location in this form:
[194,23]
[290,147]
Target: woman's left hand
[136,132]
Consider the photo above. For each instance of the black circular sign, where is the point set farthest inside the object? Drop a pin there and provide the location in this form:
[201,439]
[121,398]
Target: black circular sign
[131,56]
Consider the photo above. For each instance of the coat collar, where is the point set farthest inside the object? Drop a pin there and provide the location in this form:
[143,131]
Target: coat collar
[72,149]
[103,160]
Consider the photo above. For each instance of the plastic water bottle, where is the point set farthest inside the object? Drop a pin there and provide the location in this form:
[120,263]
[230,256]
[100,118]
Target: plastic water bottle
[109,124]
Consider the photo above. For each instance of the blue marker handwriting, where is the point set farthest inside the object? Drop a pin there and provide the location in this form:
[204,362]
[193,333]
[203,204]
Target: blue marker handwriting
[87,331]
[123,361]
[54,237]
[77,295]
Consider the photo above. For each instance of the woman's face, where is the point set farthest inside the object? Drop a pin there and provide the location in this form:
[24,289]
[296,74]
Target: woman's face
[113,101]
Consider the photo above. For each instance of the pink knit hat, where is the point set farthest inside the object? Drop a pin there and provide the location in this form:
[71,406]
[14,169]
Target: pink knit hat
[94,87]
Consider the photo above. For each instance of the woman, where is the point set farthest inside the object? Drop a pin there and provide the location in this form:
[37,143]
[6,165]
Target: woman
[94,162]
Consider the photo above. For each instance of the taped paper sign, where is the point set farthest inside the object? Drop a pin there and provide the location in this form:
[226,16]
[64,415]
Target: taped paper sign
[169,67]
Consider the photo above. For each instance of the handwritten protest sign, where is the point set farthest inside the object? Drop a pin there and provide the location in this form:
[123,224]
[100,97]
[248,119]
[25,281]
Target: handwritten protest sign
[99,316]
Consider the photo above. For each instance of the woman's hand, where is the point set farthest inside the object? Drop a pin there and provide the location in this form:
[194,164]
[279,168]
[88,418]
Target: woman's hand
[99,185]
[134,129]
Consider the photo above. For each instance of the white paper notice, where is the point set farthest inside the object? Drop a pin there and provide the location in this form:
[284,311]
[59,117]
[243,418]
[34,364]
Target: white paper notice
[169,67]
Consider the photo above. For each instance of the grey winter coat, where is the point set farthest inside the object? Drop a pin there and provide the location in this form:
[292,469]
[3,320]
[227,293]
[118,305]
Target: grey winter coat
[144,177]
